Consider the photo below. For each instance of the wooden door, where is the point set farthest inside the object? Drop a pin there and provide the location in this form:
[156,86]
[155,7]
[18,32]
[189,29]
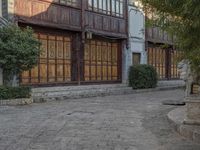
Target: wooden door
[157,58]
[174,55]
[101,61]
[136,58]
[165,62]
[54,64]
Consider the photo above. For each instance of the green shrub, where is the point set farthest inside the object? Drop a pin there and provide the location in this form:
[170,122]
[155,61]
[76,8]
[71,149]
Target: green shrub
[14,92]
[142,76]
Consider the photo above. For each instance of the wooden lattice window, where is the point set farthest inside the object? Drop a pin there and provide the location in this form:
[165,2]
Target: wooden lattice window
[109,7]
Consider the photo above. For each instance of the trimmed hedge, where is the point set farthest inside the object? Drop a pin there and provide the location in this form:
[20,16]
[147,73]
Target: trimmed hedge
[142,76]
[14,92]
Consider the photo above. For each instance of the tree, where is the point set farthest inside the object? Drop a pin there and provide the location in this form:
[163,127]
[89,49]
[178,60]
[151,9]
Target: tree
[182,19]
[19,51]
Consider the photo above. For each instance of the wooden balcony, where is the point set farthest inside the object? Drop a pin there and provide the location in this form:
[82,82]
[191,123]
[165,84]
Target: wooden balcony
[156,35]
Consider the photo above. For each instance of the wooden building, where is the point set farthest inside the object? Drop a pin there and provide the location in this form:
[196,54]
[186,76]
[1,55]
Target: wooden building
[82,40]
[161,53]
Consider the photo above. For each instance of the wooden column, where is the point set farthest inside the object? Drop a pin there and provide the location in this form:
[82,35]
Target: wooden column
[75,71]
[83,40]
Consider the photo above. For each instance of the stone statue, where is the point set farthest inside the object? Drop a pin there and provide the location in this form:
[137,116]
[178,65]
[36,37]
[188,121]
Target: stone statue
[192,100]
[186,75]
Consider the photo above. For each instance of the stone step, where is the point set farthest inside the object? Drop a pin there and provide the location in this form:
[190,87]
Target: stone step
[84,91]
[72,88]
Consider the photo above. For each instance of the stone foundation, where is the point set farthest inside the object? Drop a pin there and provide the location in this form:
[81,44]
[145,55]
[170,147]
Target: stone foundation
[14,102]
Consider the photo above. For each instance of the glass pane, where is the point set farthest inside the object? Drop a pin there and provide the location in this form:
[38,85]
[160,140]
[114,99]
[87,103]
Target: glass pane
[108,6]
[113,7]
[90,4]
[63,1]
[121,8]
[117,7]
[95,3]
[104,4]
[100,4]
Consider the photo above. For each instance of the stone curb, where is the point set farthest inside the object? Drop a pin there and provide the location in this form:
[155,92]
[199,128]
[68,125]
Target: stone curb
[15,102]
[27,101]
[156,89]
[176,117]
[63,96]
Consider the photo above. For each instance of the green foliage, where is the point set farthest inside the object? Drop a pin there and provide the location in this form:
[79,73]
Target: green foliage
[19,49]
[14,92]
[180,18]
[142,76]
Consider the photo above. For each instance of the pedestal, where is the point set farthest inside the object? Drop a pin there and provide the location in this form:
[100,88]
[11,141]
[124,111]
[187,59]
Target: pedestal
[193,110]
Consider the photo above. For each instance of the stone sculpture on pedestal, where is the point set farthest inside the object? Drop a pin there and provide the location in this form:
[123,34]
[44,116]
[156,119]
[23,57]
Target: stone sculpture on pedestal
[192,99]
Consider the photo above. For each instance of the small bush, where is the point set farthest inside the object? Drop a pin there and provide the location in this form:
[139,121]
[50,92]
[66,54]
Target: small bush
[142,76]
[14,92]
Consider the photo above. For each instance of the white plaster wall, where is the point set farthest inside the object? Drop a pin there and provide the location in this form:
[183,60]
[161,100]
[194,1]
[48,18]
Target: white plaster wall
[137,33]
[136,40]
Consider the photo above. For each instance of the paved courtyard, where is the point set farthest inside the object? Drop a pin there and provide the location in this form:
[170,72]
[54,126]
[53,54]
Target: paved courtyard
[126,122]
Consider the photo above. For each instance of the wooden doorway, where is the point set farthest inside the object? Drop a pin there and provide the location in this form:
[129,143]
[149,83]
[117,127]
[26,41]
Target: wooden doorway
[165,61]
[54,64]
[102,61]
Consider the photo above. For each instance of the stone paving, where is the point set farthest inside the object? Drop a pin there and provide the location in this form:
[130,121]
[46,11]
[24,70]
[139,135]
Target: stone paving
[125,122]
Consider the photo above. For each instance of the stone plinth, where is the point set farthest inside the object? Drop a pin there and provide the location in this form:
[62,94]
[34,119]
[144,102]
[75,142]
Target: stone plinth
[193,110]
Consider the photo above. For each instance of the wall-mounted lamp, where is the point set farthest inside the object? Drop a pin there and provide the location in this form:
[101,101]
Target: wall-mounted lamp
[88,35]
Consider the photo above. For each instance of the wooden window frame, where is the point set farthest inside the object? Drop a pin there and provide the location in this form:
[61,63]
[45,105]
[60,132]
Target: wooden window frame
[111,9]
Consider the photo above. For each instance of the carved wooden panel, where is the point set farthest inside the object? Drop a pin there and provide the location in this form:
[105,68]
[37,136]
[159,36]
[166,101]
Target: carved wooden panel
[54,63]
[101,61]
[47,13]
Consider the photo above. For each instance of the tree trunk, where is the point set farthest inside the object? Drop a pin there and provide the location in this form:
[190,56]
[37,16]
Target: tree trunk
[11,79]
